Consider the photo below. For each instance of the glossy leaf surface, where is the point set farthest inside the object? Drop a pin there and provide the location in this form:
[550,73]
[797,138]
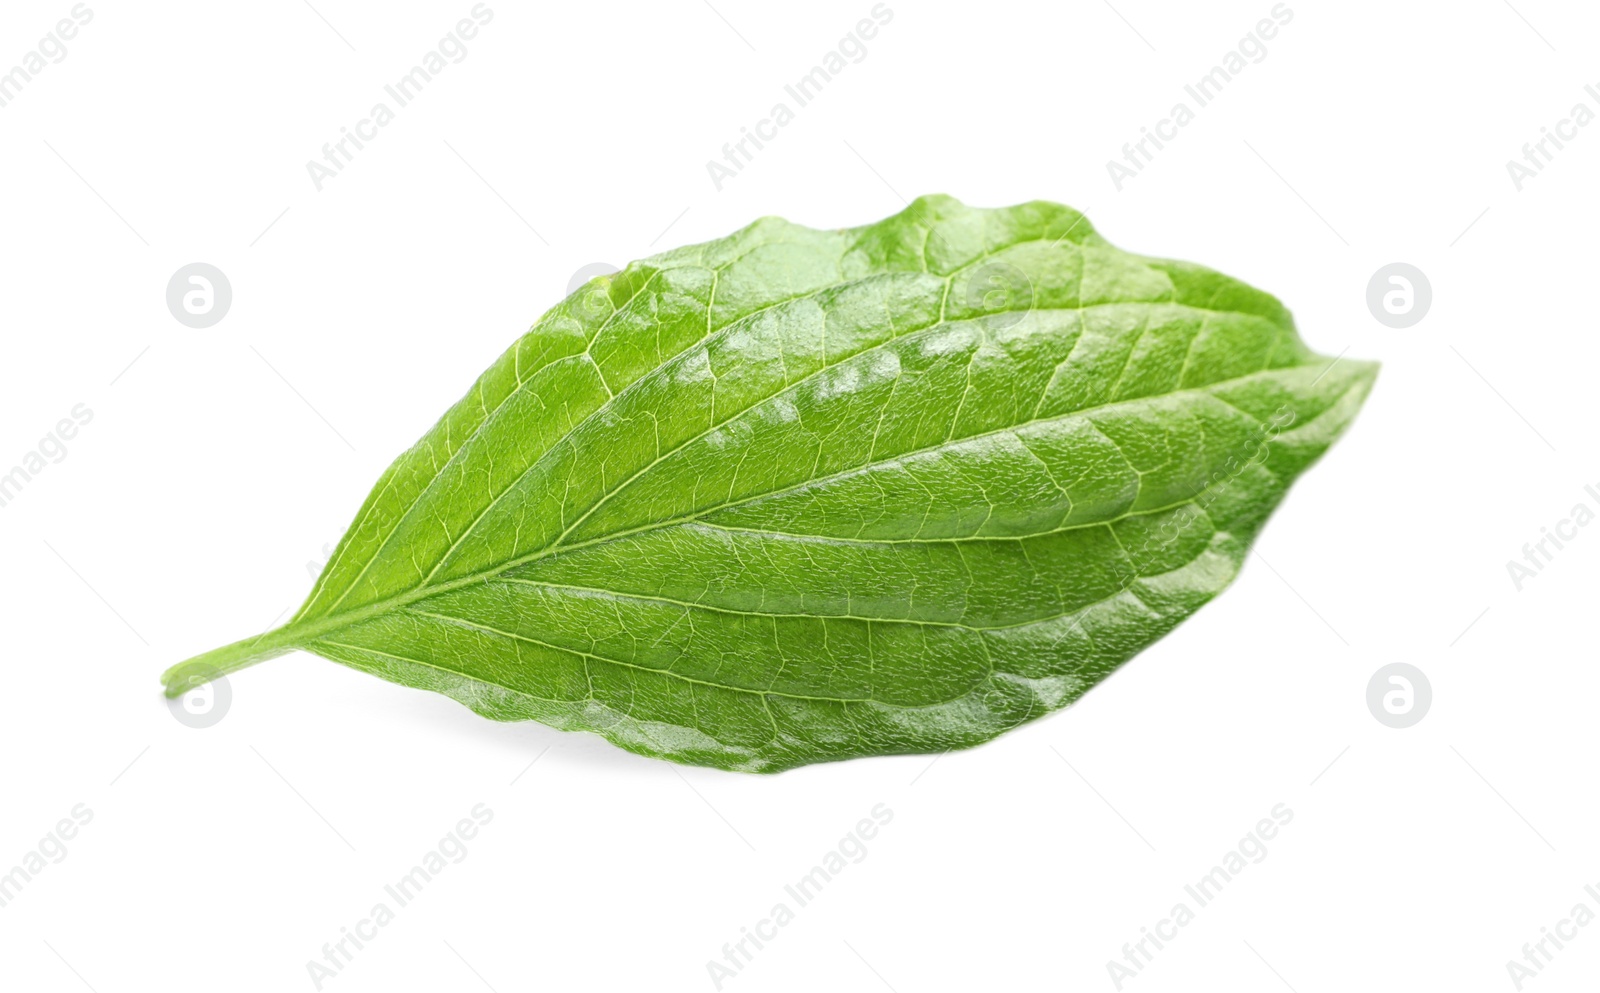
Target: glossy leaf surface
[800,495]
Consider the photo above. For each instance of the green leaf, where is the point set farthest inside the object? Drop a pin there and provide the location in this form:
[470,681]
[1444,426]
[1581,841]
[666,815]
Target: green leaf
[798,495]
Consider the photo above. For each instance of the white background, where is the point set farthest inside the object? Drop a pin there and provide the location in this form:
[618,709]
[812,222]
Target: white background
[220,462]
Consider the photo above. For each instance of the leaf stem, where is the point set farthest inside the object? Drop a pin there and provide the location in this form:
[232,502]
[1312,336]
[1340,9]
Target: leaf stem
[207,666]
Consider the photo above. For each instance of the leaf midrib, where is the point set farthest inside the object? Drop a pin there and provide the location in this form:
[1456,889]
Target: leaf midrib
[300,635]
[937,325]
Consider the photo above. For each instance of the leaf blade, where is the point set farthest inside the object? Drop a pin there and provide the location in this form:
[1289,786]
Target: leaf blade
[800,495]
